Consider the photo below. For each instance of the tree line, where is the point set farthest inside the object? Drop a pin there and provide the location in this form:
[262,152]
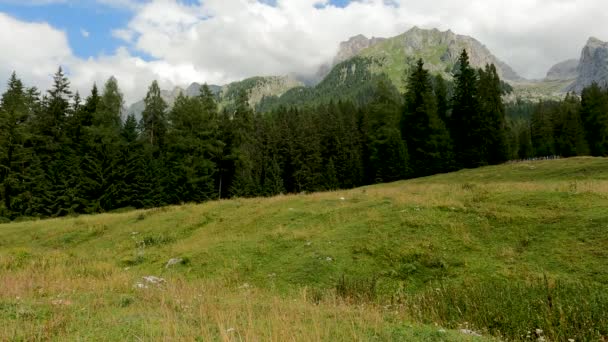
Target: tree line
[575,126]
[61,154]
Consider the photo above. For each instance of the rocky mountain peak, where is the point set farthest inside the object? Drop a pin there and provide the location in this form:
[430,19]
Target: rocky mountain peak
[593,65]
[353,46]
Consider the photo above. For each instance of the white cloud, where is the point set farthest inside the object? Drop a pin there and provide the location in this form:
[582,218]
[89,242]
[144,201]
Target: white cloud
[36,50]
[85,33]
[240,38]
[217,41]
[33,50]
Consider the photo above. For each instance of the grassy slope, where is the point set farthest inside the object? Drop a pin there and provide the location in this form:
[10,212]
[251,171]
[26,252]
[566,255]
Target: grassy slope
[267,267]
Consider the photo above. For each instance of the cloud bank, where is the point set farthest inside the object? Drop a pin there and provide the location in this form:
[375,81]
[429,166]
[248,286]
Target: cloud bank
[218,41]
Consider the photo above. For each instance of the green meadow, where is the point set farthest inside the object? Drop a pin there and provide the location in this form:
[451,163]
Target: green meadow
[511,252]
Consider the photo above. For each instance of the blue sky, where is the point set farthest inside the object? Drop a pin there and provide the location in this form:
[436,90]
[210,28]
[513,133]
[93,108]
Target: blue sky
[87,23]
[74,17]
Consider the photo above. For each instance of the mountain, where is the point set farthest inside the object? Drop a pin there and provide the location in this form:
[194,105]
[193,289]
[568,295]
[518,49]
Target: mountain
[354,79]
[593,65]
[170,96]
[256,87]
[361,62]
[439,49]
[566,70]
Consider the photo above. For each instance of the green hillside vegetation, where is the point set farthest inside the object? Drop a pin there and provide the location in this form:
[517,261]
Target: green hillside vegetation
[353,80]
[256,89]
[396,60]
[500,250]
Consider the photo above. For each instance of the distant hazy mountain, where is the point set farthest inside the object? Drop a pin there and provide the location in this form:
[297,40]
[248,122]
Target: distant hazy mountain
[256,88]
[566,70]
[593,65]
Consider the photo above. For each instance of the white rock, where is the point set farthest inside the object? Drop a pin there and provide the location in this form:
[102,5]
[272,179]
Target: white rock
[469,332]
[154,280]
[173,262]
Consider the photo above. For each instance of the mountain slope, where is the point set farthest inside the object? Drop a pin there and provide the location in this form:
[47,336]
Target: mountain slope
[361,62]
[564,71]
[354,80]
[440,51]
[468,246]
[593,65]
[255,87]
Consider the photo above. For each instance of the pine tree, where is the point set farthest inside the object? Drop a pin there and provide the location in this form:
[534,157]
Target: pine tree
[466,123]
[594,114]
[154,120]
[189,143]
[388,157]
[102,167]
[129,130]
[542,129]
[428,141]
[440,89]
[57,191]
[568,129]
[491,115]
[244,152]
[14,115]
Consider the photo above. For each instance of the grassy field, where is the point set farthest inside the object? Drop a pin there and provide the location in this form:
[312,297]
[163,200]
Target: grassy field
[498,251]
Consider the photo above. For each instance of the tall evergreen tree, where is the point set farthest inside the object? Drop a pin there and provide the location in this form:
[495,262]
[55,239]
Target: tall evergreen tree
[491,115]
[594,114]
[244,152]
[388,157]
[189,142]
[154,116]
[14,115]
[466,123]
[102,166]
[568,129]
[440,88]
[542,129]
[428,141]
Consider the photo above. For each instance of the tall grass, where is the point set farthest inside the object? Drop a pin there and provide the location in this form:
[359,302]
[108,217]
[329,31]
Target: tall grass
[514,310]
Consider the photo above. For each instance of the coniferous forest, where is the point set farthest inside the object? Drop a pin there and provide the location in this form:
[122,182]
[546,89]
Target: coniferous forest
[61,154]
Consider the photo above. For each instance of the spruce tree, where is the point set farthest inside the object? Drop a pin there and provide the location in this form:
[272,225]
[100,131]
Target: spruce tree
[542,129]
[594,115]
[440,89]
[428,141]
[102,167]
[388,156]
[466,122]
[568,129]
[491,115]
[14,157]
[154,116]
[245,149]
[192,171]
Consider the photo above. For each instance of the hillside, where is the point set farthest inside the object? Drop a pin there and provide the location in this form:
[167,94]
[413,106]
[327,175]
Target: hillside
[500,251]
[256,88]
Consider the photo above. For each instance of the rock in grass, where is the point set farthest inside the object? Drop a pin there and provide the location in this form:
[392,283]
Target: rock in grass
[173,262]
[149,281]
[470,332]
